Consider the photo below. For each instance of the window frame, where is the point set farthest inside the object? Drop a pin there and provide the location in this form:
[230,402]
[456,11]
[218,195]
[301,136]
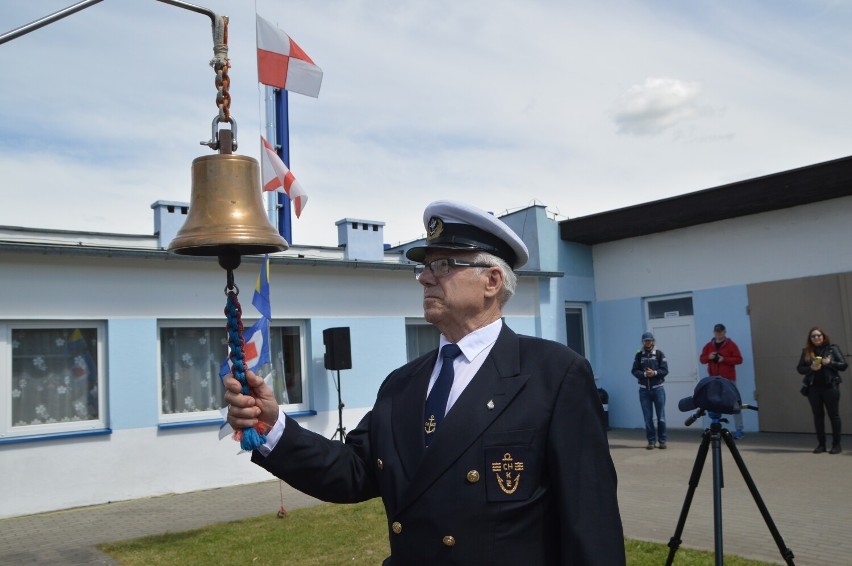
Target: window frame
[417,322]
[8,430]
[217,414]
[583,309]
[667,298]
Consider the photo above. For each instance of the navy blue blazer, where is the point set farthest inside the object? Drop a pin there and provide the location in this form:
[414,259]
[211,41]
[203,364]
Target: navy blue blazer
[518,473]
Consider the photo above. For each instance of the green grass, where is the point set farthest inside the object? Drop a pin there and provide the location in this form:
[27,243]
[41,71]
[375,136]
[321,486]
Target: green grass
[323,535]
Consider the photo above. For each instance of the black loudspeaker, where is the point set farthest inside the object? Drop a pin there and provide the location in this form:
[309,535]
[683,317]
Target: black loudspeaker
[337,351]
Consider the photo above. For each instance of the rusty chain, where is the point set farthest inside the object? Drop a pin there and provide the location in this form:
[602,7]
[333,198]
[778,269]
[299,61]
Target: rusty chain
[221,64]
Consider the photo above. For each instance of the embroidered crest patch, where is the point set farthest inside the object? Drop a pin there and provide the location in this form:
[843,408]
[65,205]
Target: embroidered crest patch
[506,477]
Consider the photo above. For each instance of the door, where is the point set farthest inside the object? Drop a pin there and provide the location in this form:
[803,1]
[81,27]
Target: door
[781,314]
[674,333]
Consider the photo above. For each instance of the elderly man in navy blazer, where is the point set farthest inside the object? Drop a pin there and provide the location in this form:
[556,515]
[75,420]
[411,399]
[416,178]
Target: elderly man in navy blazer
[490,450]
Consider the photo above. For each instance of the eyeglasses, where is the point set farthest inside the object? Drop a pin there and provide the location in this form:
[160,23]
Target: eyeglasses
[815,335]
[441,267]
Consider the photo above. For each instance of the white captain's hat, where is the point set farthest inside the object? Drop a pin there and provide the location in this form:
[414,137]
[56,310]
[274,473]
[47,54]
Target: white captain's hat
[455,225]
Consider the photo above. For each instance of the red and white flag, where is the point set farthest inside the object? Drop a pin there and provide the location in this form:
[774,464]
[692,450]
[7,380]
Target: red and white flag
[281,63]
[276,177]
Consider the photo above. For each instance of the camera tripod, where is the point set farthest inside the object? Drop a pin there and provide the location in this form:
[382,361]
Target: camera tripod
[713,436]
[341,430]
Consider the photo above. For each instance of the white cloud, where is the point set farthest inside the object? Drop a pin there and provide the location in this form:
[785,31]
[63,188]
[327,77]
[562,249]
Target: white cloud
[657,105]
[491,101]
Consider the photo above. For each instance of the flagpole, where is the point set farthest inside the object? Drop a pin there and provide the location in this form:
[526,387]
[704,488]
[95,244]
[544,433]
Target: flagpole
[283,64]
[282,137]
[269,115]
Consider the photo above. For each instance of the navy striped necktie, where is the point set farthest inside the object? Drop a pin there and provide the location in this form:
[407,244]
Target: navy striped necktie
[436,403]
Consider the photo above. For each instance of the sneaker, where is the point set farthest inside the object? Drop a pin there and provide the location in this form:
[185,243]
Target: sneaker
[819,449]
[662,446]
[651,446]
[739,434]
[835,449]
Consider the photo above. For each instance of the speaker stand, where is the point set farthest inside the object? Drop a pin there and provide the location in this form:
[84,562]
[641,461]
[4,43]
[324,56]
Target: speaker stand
[341,430]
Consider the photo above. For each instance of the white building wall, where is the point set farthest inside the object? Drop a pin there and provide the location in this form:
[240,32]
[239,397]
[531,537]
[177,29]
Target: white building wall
[128,464]
[782,244]
[713,263]
[138,458]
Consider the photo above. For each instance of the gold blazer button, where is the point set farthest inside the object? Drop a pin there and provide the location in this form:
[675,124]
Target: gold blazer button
[449,541]
[380,464]
[396,527]
[472,476]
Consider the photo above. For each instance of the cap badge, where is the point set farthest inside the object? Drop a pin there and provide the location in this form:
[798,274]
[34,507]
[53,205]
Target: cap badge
[436,226]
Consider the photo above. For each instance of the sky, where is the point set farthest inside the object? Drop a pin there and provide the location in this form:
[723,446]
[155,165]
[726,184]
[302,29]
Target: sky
[580,106]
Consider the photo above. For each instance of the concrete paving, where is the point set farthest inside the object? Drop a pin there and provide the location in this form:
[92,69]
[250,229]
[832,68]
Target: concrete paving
[808,496]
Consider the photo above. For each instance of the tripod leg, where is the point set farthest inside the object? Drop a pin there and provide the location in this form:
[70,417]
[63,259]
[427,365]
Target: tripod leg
[700,458]
[785,551]
[341,430]
[718,483]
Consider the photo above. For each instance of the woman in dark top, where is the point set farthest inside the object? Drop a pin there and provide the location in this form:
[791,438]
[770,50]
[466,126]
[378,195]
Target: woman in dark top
[821,363]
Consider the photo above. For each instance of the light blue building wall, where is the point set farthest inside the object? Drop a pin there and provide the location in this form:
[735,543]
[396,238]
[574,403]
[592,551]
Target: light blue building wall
[133,396]
[576,286]
[377,306]
[377,346]
[618,324]
[541,235]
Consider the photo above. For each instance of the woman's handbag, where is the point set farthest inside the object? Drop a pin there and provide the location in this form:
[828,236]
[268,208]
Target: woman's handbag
[806,386]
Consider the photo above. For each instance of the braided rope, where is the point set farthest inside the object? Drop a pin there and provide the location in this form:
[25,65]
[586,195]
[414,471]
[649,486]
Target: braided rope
[220,64]
[250,438]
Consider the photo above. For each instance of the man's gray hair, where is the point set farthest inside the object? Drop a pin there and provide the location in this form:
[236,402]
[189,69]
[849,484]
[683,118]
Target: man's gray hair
[510,280]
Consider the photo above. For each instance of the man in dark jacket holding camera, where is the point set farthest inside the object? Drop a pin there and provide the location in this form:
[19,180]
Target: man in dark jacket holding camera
[651,368]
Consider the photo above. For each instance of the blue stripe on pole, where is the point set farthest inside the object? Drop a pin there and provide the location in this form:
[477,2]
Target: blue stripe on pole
[282,136]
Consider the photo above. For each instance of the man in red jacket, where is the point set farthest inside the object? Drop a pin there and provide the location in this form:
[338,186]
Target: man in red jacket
[722,356]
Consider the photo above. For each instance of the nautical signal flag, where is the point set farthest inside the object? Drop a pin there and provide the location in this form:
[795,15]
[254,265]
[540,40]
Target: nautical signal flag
[260,300]
[255,349]
[83,364]
[277,177]
[281,63]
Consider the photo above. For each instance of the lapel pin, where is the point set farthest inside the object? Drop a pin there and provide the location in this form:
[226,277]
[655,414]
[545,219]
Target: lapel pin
[490,404]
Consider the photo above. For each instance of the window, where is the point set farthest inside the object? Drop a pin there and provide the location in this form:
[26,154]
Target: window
[287,362]
[420,338]
[51,378]
[670,308]
[575,328]
[191,356]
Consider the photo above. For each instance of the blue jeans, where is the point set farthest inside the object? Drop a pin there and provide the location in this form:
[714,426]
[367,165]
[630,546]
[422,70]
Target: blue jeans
[651,400]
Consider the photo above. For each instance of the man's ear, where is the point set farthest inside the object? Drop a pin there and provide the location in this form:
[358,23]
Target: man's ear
[494,284]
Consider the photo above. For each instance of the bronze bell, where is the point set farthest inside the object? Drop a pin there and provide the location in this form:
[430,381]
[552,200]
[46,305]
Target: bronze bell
[226,215]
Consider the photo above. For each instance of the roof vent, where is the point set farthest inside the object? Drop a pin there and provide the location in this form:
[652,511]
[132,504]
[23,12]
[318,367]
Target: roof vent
[169,217]
[361,239]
